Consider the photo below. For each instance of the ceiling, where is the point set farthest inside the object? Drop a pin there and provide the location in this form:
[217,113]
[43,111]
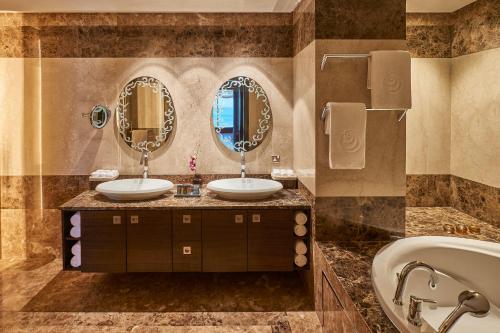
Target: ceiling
[249,6]
[149,6]
[434,6]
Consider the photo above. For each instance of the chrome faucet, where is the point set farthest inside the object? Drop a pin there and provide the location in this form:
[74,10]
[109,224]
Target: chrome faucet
[145,162]
[242,162]
[403,276]
[468,302]
[415,310]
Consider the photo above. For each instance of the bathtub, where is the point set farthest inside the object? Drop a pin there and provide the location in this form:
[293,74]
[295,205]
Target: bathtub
[462,264]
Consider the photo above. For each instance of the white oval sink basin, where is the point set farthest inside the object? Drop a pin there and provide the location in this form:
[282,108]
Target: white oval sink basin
[135,189]
[244,188]
[462,264]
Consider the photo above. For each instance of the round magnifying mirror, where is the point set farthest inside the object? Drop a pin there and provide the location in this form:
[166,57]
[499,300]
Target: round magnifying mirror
[99,116]
[241,115]
[145,114]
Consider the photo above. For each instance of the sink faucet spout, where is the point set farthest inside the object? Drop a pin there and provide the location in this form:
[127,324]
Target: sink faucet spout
[145,163]
[242,162]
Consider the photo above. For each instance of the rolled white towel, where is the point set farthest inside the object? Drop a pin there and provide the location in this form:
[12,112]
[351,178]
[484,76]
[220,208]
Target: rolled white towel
[300,247]
[75,219]
[77,249]
[300,230]
[300,218]
[76,261]
[75,232]
[300,260]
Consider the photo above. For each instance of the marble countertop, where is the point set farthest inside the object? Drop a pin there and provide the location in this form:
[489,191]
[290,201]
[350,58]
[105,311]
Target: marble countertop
[92,200]
[351,261]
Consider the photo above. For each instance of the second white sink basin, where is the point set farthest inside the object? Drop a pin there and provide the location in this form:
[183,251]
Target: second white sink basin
[244,188]
[135,189]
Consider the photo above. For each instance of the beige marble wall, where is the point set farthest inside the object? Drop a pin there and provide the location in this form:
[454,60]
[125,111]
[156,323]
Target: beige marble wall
[428,122]
[304,116]
[345,81]
[46,135]
[475,117]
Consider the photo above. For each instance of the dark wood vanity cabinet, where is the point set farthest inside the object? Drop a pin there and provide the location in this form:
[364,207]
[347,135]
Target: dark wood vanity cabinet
[149,241]
[270,240]
[103,241]
[224,234]
[185,240]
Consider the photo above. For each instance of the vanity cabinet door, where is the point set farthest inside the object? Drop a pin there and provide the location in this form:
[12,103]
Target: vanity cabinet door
[149,241]
[270,240]
[103,241]
[224,234]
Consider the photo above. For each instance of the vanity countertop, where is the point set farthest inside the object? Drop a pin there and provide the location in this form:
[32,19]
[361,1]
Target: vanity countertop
[92,200]
[351,261]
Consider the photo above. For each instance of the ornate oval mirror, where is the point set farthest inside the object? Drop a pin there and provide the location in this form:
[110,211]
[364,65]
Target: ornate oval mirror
[145,114]
[241,115]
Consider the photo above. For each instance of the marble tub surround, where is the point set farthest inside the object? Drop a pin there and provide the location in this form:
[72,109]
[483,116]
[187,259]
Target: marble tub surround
[92,200]
[428,190]
[359,218]
[348,263]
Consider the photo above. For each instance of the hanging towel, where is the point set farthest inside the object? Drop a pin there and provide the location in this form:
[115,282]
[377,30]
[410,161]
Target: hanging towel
[389,78]
[347,135]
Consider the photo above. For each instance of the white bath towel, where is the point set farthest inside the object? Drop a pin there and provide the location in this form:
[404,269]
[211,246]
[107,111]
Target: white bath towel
[300,218]
[300,247]
[389,78]
[347,123]
[76,261]
[76,249]
[75,219]
[75,232]
[300,260]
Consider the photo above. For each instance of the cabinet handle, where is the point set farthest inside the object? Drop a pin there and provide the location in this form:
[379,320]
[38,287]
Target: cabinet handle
[134,219]
[186,219]
[256,218]
[117,220]
[238,218]
[186,250]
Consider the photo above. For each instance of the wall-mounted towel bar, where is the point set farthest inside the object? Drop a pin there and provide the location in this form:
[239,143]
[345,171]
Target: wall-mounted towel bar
[341,56]
[326,109]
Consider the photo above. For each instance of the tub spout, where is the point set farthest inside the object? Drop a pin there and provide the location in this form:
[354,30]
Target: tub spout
[403,276]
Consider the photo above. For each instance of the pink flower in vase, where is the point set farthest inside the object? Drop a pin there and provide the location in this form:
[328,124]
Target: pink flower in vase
[192,163]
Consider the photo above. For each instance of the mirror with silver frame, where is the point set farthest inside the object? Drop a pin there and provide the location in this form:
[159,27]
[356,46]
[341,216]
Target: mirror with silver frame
[241,114]
[145,115]
[98,116]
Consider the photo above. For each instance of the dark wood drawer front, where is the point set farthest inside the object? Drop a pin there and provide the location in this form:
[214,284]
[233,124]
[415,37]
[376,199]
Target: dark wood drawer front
[335,318]
[103,239]
[187,225]
[187,256]
[224,234]
[149,241]
[270,240]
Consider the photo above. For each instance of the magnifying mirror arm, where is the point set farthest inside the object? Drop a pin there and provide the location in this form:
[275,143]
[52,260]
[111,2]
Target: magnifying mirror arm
[145,162]
[242,162]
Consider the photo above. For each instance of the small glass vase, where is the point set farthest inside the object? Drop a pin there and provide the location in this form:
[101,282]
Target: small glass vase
[197,179]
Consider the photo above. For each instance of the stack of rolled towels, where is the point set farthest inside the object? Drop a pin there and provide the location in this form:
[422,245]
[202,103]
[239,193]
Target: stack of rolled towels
[300,230]
[76,249]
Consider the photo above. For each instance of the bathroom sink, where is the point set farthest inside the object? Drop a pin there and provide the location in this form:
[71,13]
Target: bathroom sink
[135,189]
[244,188]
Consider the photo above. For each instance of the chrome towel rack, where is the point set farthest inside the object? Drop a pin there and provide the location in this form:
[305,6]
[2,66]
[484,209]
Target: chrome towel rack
[326,110]
[341,56]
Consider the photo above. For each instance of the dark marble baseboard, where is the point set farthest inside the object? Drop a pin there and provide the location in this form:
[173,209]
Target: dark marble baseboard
[359,218]
[427,190]
[478,200]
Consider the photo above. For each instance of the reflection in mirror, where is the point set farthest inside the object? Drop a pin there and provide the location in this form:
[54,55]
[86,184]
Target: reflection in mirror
[98,116]
[145,114]
[241,115]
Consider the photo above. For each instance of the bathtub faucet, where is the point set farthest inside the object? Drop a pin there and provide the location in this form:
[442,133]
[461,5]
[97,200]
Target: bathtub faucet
[403,276]
[468,302]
